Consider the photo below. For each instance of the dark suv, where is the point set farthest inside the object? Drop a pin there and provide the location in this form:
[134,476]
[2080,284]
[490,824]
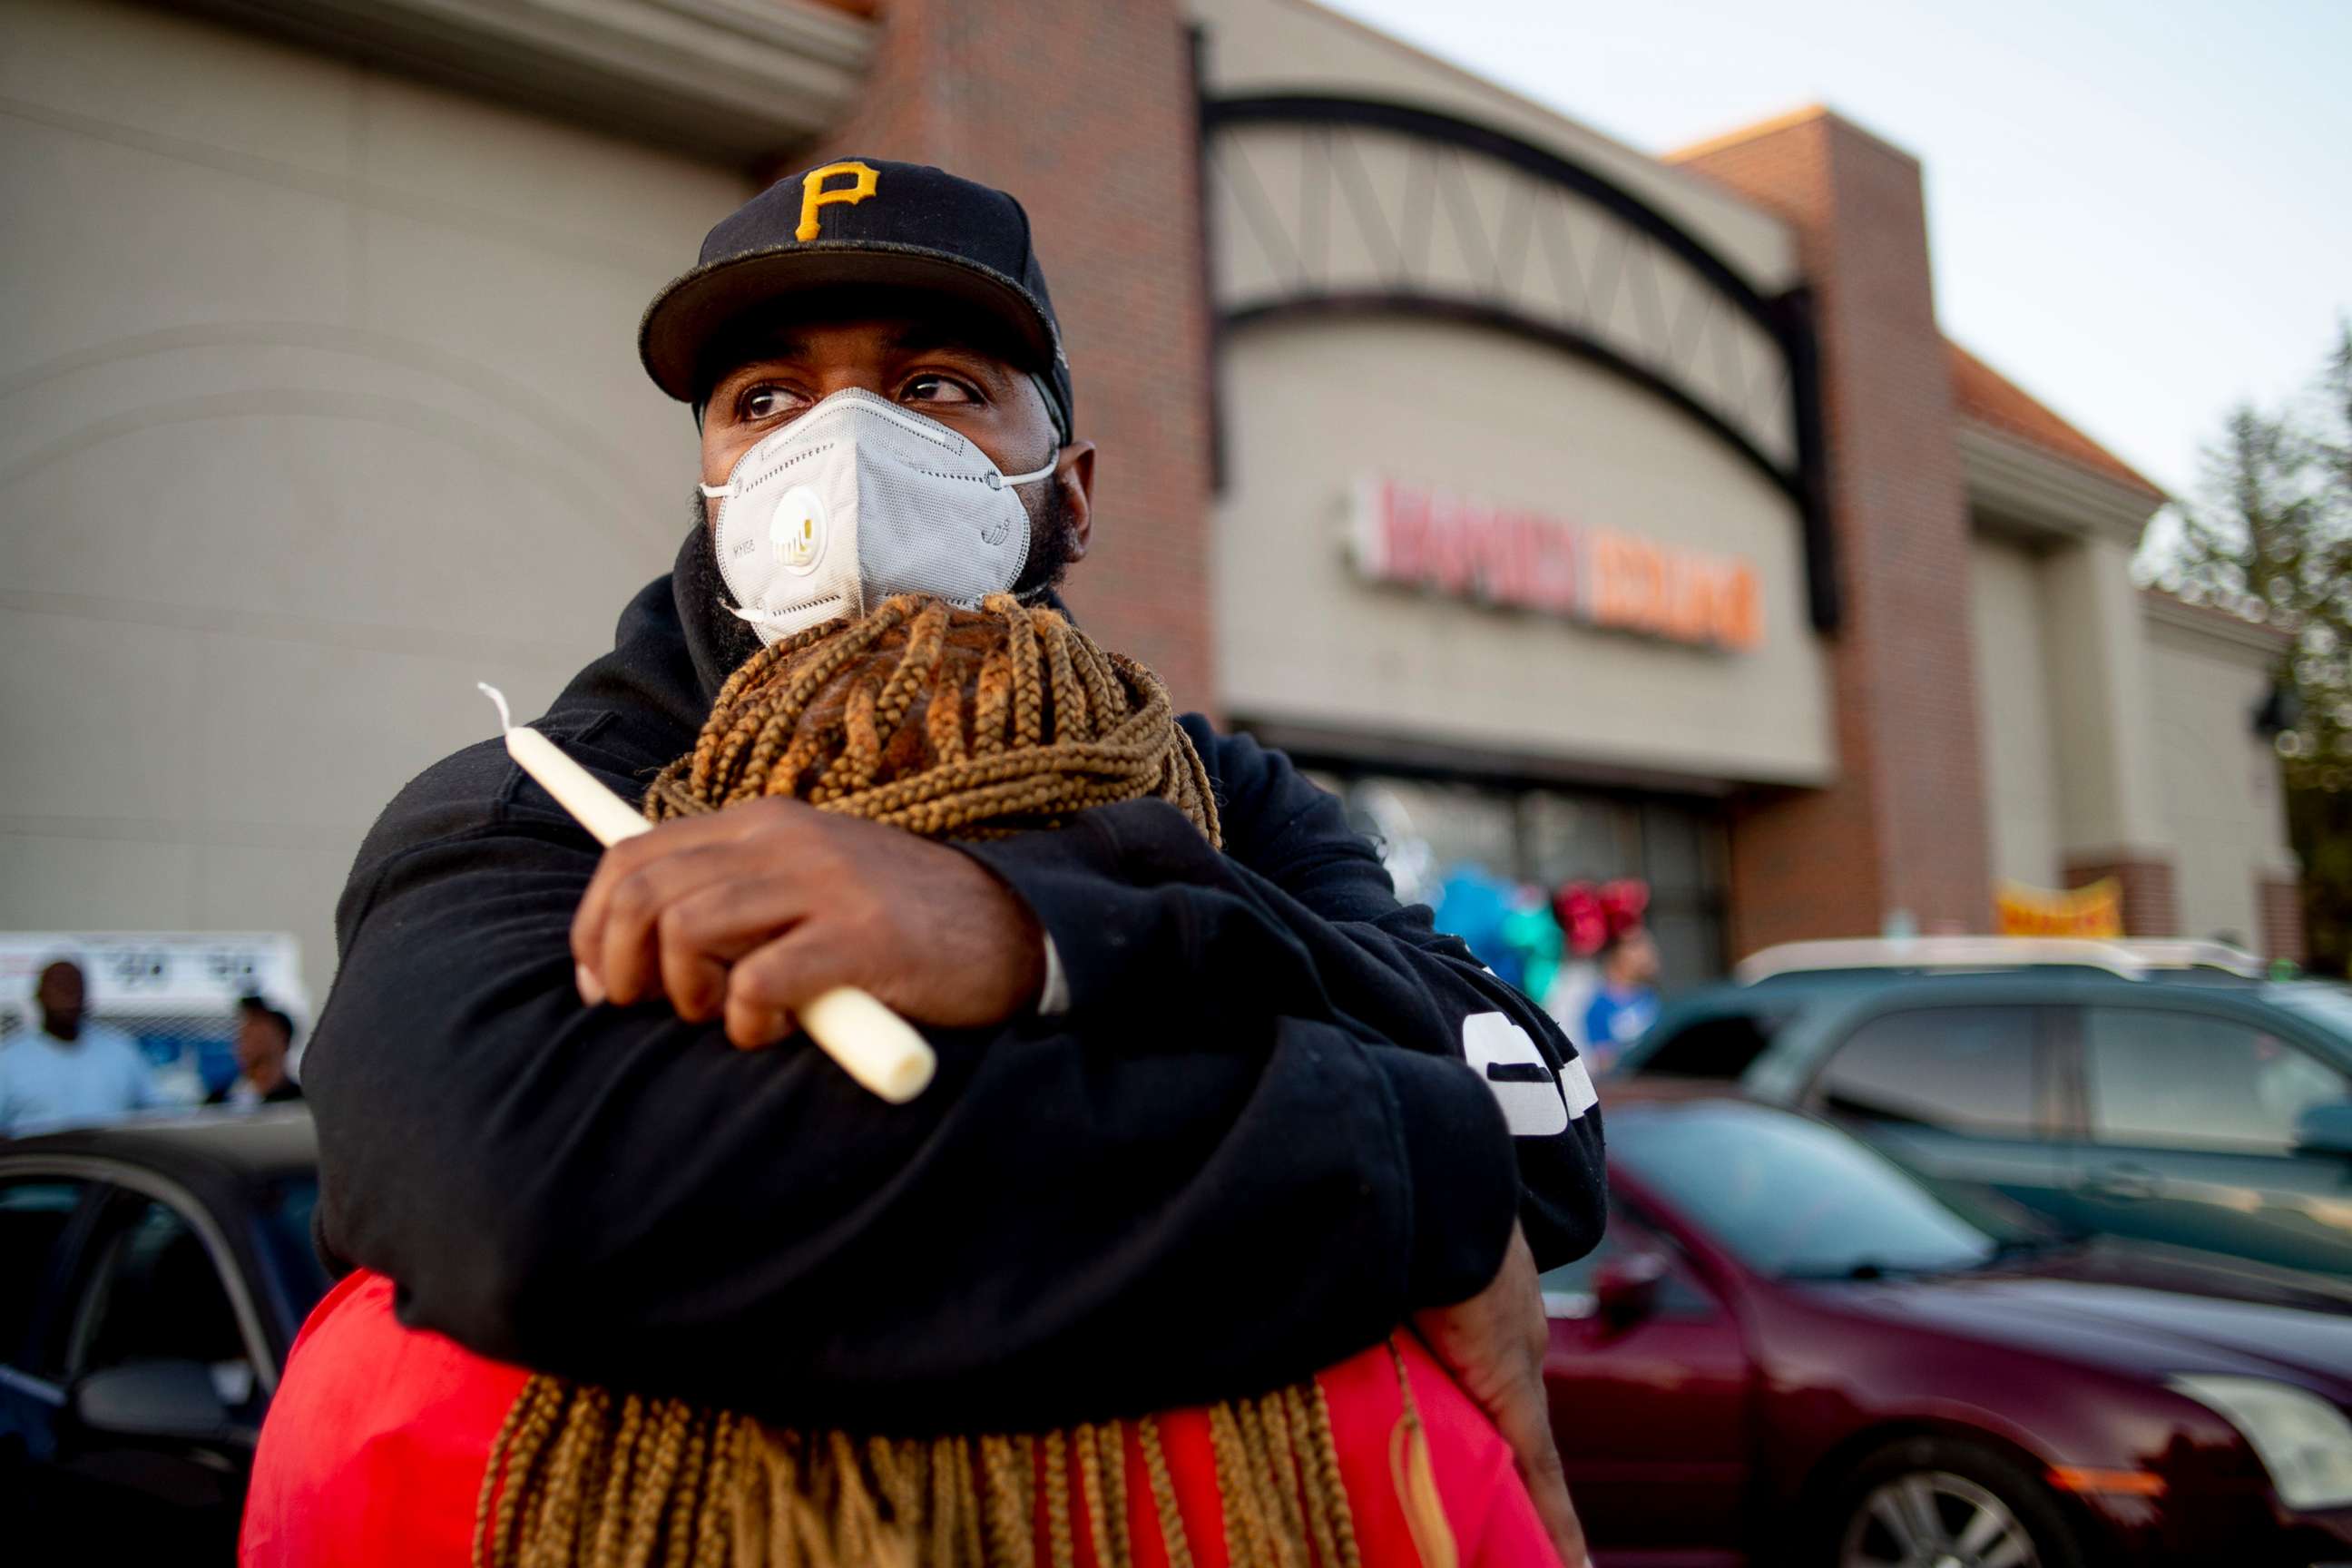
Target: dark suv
[152,1277]
[2214,1116]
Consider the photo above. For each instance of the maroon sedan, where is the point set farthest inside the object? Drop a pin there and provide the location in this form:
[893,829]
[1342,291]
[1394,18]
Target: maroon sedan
[1790,1349]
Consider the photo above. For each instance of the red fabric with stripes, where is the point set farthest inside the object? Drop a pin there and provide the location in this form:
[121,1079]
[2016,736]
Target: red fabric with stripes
[373,1455]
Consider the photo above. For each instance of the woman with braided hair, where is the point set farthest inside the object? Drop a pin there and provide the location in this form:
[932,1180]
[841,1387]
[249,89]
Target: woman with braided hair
[1213,1109]
[953,724]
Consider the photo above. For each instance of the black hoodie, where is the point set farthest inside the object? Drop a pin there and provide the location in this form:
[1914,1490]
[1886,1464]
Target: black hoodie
[1250,1147]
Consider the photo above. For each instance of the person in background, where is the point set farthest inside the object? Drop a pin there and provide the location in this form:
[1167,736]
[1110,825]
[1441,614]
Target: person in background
[1591,916]
[263,1036]
[1627,1002]
[70,1071]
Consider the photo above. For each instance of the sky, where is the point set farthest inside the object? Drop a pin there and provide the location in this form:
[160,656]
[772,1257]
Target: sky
[2138,210]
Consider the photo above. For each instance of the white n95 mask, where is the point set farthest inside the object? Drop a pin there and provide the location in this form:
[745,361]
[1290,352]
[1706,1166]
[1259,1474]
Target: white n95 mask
[857,499]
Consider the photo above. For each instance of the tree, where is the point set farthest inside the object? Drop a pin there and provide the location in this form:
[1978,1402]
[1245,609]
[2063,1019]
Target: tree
[2271,538]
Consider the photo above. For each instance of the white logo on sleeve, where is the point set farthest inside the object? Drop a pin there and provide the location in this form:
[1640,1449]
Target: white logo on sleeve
[1535,1103]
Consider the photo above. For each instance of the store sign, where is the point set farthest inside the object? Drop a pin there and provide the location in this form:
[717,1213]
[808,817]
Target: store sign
[1512,556]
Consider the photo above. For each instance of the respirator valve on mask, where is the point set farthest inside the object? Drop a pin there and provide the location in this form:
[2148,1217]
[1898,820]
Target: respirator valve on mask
[857,499]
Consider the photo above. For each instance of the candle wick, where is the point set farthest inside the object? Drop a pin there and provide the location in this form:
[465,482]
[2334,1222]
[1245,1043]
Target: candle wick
[506,718]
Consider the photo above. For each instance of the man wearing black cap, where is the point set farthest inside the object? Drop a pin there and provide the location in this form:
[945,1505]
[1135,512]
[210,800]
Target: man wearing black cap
[1204,1122]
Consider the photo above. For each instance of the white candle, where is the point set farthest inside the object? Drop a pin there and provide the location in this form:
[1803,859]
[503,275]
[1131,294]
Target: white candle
[575,789]
[871,1043]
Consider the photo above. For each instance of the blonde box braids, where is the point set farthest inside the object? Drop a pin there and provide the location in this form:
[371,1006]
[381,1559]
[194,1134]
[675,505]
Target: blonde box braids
[950,723]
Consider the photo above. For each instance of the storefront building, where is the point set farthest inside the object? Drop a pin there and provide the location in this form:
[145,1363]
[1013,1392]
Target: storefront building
[1597,516]
[2127,735]
[1578,514]
[1517,520]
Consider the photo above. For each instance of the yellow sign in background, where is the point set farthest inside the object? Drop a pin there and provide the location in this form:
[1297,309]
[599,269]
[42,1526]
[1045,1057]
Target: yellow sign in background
[2095,911]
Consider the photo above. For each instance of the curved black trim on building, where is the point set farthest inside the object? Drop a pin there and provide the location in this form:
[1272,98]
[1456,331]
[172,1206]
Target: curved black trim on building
[1478,313]
[1428,125]
[1786,321]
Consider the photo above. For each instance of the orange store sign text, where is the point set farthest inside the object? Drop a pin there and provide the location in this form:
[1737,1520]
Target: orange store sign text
[1509,555]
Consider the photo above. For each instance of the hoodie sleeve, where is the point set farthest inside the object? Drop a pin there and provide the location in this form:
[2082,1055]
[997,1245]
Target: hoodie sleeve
[1138,906]
[1250,1191]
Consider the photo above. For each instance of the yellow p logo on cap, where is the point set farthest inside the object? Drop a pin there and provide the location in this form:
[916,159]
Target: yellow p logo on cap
[814,196]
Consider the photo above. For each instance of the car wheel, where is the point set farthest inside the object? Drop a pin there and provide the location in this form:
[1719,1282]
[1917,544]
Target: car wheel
[1936,1502]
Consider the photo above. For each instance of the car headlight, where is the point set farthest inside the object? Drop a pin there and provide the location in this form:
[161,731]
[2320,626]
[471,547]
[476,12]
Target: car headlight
[2302,1440]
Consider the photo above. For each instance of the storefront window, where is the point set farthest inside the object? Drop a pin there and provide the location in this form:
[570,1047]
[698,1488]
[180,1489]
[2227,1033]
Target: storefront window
[1571,837]
[1424,829]
[1684,855]
[1512,847]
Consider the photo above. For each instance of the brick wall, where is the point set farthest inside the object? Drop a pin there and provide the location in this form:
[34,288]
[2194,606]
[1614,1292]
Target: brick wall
[1903,827]
[1086,112]
[2152,905]
[2280,900]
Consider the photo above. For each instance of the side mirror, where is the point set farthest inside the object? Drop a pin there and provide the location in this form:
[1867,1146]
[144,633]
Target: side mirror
[1625,1289]
[152,1399]
[2325,1129]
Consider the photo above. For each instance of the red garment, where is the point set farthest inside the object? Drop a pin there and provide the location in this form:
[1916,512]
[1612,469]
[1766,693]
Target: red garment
[373,1452]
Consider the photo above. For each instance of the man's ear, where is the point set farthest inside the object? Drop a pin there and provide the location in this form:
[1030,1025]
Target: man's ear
[1073,474]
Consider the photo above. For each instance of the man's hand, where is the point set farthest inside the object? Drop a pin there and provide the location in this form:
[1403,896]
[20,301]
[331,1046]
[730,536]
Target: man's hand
[1494,1346]
[753,911]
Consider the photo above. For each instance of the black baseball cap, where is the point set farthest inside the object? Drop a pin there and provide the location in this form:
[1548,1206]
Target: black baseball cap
[863,222]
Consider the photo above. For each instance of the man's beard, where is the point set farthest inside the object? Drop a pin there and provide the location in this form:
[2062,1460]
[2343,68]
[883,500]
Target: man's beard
[1053,537]
[1051,541]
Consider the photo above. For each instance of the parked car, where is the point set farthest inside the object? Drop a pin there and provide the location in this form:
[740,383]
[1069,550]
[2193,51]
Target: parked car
[2210,1115]
[2136,958]
[1789,1348]
[1715,1031]
[152,1277]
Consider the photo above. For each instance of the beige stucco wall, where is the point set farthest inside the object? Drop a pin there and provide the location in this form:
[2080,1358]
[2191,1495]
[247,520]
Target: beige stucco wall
[320,403]
[1309,406]
[2109,796]
[1298,46]
[2223,805]
[2005,613]
[2111,719]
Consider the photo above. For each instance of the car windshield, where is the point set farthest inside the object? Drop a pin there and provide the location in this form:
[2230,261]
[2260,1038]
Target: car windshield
[1794,1198]
[285,1209]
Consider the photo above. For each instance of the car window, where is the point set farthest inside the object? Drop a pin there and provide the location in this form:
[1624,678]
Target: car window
[2189,1081]
[285,1210]
[1568,1290]
[1792,1197]
[34,1214]
[1967,1070]
[1712,1047]
[156,1296]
